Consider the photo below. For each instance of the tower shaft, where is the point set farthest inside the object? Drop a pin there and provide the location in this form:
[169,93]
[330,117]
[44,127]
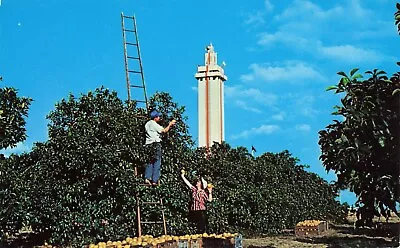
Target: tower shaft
[210,79]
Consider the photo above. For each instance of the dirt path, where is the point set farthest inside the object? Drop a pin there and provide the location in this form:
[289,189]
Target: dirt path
[340,236]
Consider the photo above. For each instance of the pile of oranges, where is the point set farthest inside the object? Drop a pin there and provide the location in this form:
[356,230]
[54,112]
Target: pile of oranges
[150,241]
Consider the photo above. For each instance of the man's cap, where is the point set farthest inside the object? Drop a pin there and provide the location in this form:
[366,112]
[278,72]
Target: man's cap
[155,114]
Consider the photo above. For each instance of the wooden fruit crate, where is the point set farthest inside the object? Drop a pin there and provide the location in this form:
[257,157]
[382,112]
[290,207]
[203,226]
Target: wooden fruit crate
[196,243]
[302,231]
[169,244]
[183,244]
[209,242]
[235,242]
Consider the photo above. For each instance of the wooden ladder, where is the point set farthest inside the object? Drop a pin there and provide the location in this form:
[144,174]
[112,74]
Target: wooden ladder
[159,202]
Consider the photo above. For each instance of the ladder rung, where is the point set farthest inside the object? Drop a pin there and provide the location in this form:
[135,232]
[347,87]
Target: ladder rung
[130,43]
[135,71]
[129,30]
[142,102]
[157,202]
[152,222]
[130,57]
[130,17]
[137,86]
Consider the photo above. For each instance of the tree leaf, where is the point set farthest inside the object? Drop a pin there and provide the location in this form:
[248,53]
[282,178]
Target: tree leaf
[395,92]
[382,140]
[333,87]
[344,81]
[341,73]
[380,72]
[353,71]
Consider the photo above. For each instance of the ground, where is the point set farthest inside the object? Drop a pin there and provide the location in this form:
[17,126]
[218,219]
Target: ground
[337,236]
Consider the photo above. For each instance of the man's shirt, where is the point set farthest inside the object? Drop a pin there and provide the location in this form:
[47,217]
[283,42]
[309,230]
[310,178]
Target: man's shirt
[153,132]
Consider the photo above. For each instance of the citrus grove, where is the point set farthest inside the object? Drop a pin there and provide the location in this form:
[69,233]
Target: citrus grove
[79,186]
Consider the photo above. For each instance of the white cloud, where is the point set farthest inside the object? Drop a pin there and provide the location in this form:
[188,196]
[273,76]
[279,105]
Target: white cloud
[278,117]
[301,104]
[268,5]
[350,53]
[306,9]
[255,18]
[289,38]
[255,95]
[359,11]
[20,148]
[258,17]
[302,25]
[244,105]
[291,72]
[262,130]
[305,105]
[308,111]
[380,28]
[303,127]
[347,53]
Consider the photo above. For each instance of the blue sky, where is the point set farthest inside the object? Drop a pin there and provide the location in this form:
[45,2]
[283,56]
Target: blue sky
[280,57]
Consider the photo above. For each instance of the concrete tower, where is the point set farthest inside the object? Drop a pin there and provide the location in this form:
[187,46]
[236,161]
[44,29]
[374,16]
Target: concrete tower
[210,79]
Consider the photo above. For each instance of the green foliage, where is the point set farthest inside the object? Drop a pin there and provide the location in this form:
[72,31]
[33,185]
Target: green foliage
[266,194]
[13,109]
[362,147]
[80,185]
[84,175]
[14,196]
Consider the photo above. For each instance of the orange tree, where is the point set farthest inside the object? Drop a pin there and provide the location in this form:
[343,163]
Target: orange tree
[362,146]
[265,194]
[14,198]
[81,183]
[79,186]
[13,111]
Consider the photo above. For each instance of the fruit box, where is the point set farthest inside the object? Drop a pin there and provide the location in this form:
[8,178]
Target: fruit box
[183,244]
[168,244]
[235,242]
[196,243]
[301,231]
[206,242]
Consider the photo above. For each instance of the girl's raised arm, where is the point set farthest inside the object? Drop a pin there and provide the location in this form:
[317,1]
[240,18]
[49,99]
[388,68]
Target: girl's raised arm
[185,180]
